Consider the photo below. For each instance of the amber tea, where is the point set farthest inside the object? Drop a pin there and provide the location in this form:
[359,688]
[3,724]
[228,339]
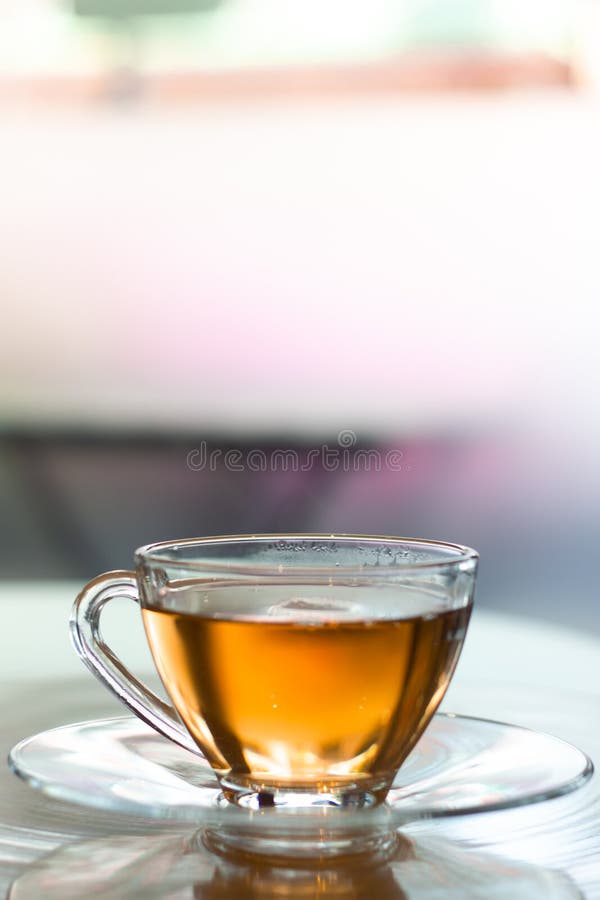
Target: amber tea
[301,686]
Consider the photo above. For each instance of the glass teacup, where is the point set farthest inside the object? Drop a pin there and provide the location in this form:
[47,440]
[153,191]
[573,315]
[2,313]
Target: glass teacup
[304,667]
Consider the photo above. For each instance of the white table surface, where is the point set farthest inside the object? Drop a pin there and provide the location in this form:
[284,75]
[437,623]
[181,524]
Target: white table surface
[512,668]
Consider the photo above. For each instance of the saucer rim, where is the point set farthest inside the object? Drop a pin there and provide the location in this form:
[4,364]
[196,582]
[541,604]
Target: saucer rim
[389,810]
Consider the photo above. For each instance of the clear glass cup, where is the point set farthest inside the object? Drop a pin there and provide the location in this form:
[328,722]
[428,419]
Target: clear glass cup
[304,668]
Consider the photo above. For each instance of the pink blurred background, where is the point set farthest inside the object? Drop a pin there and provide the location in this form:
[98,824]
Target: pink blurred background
[397,239]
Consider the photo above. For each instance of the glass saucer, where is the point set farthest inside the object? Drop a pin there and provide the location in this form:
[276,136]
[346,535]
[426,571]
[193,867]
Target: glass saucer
[461,765]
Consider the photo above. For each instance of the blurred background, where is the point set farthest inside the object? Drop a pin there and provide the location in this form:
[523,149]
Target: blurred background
[273,265]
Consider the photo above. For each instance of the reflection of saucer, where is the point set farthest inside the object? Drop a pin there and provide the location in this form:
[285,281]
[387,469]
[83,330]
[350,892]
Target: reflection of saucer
[180,866]
[461,765]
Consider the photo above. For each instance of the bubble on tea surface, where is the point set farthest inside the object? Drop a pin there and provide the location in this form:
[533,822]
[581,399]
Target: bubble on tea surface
[314,609]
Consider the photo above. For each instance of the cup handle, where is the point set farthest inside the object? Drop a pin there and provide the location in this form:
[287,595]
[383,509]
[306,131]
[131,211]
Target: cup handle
[108,668]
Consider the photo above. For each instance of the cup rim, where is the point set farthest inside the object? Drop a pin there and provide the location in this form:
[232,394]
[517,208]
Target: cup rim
[151,554]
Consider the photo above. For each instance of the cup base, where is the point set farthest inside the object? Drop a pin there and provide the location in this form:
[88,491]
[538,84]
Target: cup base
[309,796]
[320,846]
[303,801]
[301,823]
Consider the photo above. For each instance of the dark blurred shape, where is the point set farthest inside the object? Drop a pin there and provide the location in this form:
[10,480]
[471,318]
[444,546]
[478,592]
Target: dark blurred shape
[75,505]
[118,9]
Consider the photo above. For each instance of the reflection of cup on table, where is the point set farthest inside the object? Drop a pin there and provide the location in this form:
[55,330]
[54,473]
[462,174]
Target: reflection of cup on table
[305,668]
[179,866]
